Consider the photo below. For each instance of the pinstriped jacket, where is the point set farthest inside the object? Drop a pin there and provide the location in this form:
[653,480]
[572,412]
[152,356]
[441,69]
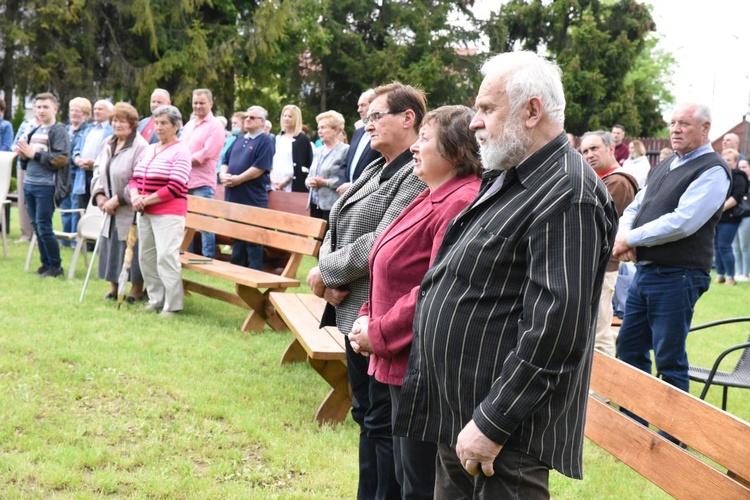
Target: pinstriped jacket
[356,220]
[504,324]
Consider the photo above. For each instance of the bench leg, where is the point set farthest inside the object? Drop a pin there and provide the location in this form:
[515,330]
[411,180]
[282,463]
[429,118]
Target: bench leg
[337,403]
[294,353]
[256,301]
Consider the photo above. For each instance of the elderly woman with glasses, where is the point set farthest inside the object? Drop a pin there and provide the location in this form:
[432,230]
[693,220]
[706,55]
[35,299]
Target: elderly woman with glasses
[380,194]
[446,158]
[158,190]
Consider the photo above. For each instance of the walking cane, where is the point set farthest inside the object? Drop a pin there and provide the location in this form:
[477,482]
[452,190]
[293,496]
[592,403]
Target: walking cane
[93,256]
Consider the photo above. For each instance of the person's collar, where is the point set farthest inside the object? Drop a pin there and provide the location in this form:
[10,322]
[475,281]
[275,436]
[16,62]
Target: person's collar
[248,135]
[604,173]
[696,152]
[541,158]
[395,165]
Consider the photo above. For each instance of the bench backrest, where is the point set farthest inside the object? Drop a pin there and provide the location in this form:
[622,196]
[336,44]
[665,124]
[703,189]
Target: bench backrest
[297,234]
[713,433]
[289,201]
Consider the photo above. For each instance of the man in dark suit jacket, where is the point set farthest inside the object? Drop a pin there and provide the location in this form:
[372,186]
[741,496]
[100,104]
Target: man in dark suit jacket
[360,154]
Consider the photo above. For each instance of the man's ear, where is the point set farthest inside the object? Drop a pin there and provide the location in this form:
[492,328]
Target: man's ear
[409,117]
[534,112]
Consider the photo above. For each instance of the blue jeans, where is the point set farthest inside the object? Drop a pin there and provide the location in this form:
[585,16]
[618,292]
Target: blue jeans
[660,306]
[725,233]
[741,247]
[69,220]
[40,204]
[208,240]
[247,255]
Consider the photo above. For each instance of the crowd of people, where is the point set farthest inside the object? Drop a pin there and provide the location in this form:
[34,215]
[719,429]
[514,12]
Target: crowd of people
[471,258]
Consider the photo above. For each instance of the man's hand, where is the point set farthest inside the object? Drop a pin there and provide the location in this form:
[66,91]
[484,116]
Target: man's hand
[231,181]
[84,163]
[334,296]
[343,188]
[359,338]
[476,450]
[315,282]
[25,150]
[622,250]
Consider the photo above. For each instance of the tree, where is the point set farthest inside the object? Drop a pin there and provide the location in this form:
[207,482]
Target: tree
[604,51]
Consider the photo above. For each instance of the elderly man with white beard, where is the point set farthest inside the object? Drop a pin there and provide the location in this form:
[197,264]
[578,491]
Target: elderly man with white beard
[504,328]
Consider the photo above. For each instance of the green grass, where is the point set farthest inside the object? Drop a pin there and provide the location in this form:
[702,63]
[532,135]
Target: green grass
[99,402]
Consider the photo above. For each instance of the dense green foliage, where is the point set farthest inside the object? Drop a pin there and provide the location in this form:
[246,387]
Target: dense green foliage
[612,71]
[321,54]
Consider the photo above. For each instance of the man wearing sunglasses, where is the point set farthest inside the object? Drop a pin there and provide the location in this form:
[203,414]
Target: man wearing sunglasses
[245,174]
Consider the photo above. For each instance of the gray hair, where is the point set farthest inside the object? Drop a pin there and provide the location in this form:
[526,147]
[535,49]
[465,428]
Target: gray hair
[606,137]
[205,92]
[262,113]
[528,75]
[172,113]
[107,104]
[702,113]
[368,94]
[163,92]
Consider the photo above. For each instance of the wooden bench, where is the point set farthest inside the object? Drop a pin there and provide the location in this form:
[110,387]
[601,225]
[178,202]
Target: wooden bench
[296,234]
[323,348]
[714,434]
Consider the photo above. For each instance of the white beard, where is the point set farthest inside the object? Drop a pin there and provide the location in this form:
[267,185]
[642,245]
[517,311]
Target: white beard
[505,151]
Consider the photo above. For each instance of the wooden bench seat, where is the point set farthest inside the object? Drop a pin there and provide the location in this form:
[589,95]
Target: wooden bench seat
[714,434]
[323,348]
[296,234]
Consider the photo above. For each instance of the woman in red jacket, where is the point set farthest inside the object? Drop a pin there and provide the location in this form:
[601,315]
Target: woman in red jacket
[446,158]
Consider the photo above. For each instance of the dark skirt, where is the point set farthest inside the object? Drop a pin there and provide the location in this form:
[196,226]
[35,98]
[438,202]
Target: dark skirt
[112,255]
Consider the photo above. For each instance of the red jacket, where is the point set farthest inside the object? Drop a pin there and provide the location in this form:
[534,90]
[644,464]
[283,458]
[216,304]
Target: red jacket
[399,260]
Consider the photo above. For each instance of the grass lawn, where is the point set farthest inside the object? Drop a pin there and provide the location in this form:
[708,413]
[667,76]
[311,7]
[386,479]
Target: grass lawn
[100,402]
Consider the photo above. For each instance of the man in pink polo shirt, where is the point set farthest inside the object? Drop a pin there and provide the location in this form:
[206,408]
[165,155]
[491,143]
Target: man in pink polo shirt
[204,136]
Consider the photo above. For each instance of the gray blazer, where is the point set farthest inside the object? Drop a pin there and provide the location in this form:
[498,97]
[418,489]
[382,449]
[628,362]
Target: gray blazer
[356,220]
[329,170]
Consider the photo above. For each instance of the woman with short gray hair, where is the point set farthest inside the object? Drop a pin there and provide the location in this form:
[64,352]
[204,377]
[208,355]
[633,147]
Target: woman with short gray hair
[158,190]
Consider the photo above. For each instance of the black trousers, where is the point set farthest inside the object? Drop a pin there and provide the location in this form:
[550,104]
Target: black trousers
[371,409]
[517,476]
[415,460]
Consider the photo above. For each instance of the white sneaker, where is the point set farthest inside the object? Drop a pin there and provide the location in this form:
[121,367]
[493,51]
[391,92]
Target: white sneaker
[741,277]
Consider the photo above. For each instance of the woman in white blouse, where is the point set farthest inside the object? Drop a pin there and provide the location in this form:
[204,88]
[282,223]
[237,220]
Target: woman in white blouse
[294,153]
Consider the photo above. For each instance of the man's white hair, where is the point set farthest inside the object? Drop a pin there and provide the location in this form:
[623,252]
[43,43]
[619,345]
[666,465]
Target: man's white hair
[528,75]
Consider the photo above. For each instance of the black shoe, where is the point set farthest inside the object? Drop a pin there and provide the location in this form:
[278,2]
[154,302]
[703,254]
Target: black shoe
[42,270]
[110,296]
[52,272]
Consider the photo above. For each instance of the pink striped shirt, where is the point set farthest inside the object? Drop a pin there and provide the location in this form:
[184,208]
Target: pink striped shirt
[204,138]
[165,173]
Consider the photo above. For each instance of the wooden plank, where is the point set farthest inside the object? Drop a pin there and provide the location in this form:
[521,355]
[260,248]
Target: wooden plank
[289,201]
[318,343]
[261,217]
[671,468]
[214,293]
[338,401]
[237,274]
[282,240]
[702,426]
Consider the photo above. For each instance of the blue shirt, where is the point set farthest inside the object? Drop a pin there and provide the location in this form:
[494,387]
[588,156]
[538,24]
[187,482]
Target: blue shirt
[698,203]
[256,151]
[6,135]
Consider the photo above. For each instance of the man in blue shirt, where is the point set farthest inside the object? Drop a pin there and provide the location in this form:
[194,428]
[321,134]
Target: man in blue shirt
[6,129]
[668,231]
[246,175]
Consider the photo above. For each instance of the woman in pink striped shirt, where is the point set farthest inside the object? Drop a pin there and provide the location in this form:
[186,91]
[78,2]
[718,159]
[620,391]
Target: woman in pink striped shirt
[158,190]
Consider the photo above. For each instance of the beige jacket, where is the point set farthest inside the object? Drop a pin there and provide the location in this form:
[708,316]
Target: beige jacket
[112,172]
